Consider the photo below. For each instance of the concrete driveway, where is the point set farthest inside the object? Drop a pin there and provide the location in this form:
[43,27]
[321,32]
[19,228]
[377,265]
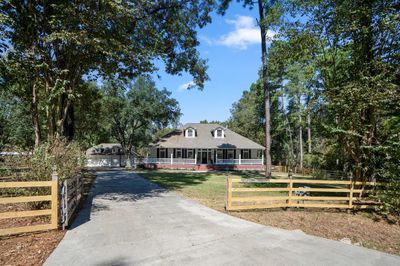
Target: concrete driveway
[130,221]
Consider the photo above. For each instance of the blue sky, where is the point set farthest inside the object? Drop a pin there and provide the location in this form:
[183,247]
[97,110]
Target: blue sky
[231,43]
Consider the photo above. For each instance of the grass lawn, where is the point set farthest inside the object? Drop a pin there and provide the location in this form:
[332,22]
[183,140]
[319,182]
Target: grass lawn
[362,228]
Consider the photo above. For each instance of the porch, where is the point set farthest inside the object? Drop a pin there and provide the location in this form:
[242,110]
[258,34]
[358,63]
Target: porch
[178,156]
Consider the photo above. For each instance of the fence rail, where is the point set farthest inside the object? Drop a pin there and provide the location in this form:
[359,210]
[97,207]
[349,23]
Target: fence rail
[52,212]
[329,194]
[71,195]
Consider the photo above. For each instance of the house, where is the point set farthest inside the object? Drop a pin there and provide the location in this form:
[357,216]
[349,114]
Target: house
[105,155]
[204,147]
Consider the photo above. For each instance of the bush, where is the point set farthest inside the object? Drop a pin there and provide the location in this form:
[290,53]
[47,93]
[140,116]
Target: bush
[67,157]
[390,196]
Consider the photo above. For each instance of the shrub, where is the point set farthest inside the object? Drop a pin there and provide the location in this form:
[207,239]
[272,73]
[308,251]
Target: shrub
[67,157]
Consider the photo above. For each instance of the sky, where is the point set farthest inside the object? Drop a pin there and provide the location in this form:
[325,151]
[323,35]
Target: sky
[231,44]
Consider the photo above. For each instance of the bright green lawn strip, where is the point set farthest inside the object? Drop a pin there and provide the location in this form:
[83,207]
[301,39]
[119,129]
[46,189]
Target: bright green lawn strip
[208,188]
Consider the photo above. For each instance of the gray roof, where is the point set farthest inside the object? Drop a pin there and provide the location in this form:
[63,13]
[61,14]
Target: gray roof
[103,145]
[204,139]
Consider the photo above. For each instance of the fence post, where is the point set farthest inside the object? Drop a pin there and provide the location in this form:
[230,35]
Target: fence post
[290,188]
[54,199]
[64,201]
[228,204]
[351,194]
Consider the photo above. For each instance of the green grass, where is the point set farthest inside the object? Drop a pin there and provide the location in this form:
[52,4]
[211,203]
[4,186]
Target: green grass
[207,188]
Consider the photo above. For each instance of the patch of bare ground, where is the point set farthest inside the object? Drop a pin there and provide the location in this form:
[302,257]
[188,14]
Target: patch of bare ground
[31,248]
[359,227]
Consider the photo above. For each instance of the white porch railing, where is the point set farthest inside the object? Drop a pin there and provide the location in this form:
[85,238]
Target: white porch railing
[239,161]
[183,161]
[252,161]
[169,160]
[193,161]
[227,161]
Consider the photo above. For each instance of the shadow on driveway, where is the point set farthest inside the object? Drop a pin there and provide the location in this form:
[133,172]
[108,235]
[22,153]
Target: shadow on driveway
[116,186]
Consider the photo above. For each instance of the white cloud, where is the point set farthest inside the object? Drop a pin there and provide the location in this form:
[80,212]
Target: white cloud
[186,86]
[246,33]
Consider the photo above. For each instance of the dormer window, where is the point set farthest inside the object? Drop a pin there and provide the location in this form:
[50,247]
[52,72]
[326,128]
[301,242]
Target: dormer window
[190,133]
[219,133]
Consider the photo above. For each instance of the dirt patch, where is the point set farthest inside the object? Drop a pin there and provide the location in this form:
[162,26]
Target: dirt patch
[362,228]
[29,249]
[32,248]
[359,228]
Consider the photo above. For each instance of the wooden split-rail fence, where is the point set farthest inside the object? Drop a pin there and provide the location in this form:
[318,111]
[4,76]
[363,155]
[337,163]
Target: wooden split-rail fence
[52,198]
[71,195]
[63,202]
[246,194]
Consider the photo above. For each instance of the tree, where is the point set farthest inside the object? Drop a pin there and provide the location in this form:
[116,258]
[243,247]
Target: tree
[270,13]
[58,45]
[247,114]
[213,122]
[135,111]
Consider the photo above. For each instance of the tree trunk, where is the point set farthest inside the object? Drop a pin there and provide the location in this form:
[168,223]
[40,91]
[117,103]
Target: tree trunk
[35,116]
[128,160]
[66,121]
[309,133]
[264,55]
[301,143]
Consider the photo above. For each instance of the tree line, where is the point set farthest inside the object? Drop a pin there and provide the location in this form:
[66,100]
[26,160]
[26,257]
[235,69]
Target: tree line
[328,92]
[334,80]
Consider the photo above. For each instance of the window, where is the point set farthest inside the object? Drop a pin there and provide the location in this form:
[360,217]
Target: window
[178,153]
[220,154]
[163,153]
[190,133]
[190,154]
[246,154]
[230,154]
[219,133]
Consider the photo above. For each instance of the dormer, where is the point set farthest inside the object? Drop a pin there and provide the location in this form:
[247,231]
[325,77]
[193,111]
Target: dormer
[190,132]
[219,133]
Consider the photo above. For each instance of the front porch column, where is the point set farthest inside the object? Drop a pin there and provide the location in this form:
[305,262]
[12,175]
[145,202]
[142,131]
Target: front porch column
[195,156]
[172,158]
[240,158]
[262,159]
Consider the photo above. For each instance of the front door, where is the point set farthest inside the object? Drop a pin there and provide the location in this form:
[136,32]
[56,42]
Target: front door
[204,157]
